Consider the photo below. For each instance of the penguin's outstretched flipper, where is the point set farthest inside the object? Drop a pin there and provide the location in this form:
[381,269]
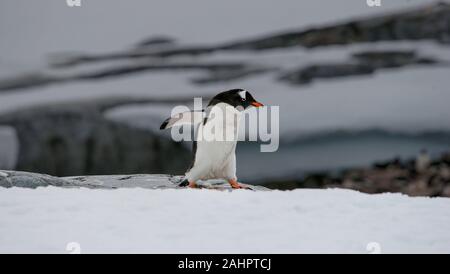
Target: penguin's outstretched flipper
[184,118]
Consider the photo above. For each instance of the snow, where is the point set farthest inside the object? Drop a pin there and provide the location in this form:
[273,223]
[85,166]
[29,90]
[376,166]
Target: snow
[206,221]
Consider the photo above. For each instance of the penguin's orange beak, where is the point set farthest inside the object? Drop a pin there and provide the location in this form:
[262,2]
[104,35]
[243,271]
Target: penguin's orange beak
[257,104]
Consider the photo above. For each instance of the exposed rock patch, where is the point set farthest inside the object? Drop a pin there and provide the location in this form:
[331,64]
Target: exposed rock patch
[30,180]
[150,181]
[430,22]
[361,63]
[419,177]
[308,74]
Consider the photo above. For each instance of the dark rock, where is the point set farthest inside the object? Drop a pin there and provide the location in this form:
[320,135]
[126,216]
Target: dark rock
[28,81]
[389,176]
[136,53]
[391,59]
[75,139]
[309,73]
[225,75]
[36,80]
[364,63]
[156,41]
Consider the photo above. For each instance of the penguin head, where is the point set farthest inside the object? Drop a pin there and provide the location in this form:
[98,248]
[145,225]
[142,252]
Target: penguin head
[238,98]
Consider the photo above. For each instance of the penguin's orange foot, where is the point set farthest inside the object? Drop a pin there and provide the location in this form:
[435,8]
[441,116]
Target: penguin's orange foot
[192,185]
[235,185]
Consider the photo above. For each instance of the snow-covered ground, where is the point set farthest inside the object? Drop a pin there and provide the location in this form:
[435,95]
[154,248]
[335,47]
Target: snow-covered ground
[207,221]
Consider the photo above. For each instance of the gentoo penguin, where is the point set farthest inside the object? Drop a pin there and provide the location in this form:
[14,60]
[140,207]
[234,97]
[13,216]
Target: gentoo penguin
[216,137]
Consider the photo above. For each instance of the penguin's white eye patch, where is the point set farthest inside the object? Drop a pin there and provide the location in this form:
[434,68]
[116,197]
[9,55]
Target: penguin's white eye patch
[243,99]
[242,94]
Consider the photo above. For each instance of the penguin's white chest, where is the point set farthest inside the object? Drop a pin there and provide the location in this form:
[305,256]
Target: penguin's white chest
[216,144]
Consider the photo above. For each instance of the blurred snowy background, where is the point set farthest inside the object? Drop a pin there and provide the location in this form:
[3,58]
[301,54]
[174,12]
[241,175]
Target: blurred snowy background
[84,89]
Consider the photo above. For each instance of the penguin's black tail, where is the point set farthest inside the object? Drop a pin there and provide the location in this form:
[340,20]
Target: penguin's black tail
[184,183]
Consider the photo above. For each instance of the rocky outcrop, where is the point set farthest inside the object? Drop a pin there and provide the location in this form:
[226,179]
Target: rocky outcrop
[30,180]
[360,63]
[430,22]
[75,138]
[307,74]
[47,78]
[419,177]
[10,179]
